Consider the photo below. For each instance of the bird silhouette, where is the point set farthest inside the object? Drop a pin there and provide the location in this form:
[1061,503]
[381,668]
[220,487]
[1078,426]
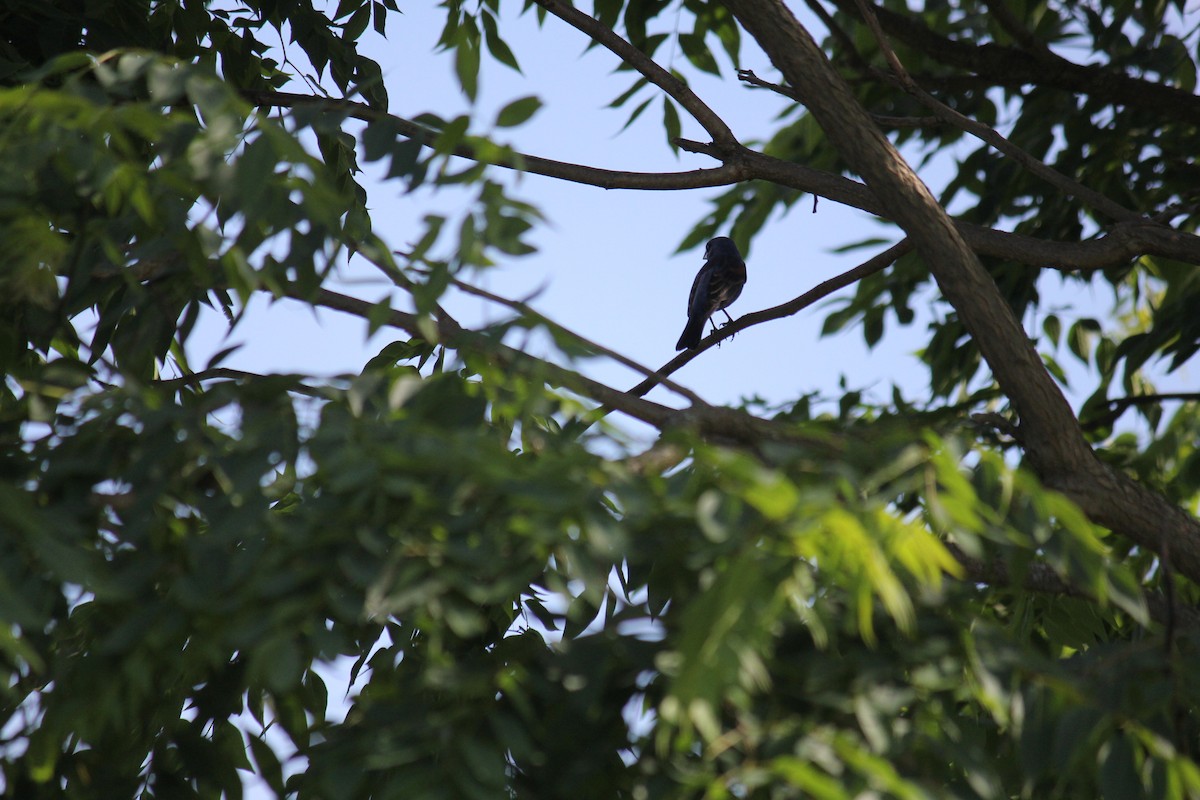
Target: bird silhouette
[717,284]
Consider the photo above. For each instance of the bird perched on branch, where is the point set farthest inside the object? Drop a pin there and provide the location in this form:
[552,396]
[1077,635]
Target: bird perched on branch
[717,284]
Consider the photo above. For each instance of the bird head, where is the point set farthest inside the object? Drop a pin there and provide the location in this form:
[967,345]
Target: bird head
[721,246]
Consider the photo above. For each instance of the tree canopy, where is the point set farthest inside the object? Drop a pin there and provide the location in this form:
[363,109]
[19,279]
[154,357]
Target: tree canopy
[988,591]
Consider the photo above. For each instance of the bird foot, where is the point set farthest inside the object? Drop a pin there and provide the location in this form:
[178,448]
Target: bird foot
[717,328]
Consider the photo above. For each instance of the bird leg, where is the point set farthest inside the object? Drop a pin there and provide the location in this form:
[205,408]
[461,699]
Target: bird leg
[730,322]
[717,328]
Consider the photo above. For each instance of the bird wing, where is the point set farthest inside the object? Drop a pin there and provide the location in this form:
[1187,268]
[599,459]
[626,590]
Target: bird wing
[698,302]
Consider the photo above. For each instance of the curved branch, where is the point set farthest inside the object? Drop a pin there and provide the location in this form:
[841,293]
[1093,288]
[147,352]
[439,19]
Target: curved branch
[228,374]
[1152,399]
[1124,241]
[723,175]
[1119,405]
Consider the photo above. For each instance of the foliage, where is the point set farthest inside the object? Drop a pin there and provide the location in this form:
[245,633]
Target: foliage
[877,602]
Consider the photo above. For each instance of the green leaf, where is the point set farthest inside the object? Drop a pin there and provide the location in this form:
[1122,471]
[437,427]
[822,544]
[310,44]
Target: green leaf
[466,66]
[637,112]
[517,112]
[1080,338]
[624,97]
[1052,327]
[267,764]
[670,123]
[697,52]
[496,45]
[357,23]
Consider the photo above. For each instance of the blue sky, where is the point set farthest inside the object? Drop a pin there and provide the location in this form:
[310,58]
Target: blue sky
[606,265]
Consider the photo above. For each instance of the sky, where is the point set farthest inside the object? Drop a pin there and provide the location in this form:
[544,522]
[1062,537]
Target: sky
[606,265]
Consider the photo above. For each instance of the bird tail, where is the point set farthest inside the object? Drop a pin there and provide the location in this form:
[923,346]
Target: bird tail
[691,334]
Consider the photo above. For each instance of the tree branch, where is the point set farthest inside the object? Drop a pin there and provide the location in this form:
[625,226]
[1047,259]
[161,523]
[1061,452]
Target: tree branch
[884,120]
[1119,405]
[525,310]
[219,373]
[1123,241]
[1016,29]
[723,175]
[835,30]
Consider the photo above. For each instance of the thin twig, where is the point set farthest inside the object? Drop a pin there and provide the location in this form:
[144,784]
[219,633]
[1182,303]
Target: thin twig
[1003,14]
[818,292]
[837,31]
[525,310]
[748,76]
[889,121]
[884,120]
[1168,578]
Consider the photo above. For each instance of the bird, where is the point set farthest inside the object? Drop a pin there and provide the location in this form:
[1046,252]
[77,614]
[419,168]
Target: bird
[717,284]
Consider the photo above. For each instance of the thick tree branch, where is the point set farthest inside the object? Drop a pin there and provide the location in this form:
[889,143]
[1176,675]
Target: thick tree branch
[1123,241]
[1051,436]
